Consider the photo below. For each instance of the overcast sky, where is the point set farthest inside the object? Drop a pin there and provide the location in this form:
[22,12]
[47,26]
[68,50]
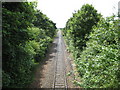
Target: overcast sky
[59,11]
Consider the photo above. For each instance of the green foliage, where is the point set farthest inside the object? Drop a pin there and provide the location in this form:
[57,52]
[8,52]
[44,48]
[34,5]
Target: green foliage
[40,42]
[17,56]
[6,79]
[42,21]
[95,47]
[99,62]
[80,25]
[23,43]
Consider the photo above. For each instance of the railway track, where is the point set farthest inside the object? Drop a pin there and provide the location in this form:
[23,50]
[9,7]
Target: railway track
[53,71]
[60,80]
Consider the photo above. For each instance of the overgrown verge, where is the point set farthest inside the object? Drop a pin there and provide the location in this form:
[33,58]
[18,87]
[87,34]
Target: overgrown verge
[95,47]
[27,33]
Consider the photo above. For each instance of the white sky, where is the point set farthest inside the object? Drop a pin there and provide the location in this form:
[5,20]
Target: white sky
[59,11]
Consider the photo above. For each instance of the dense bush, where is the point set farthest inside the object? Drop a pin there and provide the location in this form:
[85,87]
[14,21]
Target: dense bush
[79,26]
[95,48]
[99,62]
[39,42]
[42,21]
[17,56]
[47,30]
[24,43]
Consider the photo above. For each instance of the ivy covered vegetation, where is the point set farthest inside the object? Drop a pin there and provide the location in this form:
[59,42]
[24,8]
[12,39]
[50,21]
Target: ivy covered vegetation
[27,32]
[94,42]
